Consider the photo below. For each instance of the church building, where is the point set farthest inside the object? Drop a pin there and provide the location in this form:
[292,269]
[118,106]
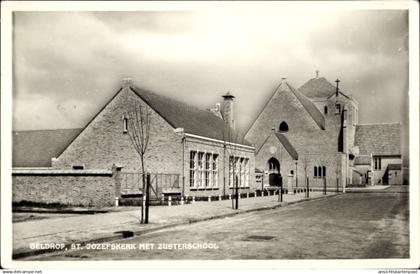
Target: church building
[312,135]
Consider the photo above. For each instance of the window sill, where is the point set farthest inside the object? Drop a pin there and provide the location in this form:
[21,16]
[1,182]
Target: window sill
[240,187]
[204,189]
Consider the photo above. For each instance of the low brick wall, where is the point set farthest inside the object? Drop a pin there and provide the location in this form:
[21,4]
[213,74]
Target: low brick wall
[67,187]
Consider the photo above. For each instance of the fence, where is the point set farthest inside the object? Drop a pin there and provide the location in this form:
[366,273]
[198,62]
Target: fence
[160,183]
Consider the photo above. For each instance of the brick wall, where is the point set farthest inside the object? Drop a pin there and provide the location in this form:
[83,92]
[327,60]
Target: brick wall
[103,143]
[67,187]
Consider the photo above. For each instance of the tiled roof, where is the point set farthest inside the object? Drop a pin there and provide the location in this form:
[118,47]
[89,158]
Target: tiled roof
[317,88]
[35,148]
[362,160]
[309,106]
[181,115]
[394,166]
[379,139]
[287,145]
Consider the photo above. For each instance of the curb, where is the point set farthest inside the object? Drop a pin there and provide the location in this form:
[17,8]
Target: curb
[24,254]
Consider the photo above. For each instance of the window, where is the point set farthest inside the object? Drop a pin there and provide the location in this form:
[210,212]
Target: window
[283,127]
[337,108]
[203,170]
[193,168]
[315,172]
[319,171]
[246,172]
[325,110]
[78,167]
[241,171]
[377,163]
[215,170]
[200,171]
[291,172]
[207,170]
[125,125]
[324,171]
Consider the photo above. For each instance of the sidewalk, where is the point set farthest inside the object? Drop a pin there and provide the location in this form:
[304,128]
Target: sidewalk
[105,227]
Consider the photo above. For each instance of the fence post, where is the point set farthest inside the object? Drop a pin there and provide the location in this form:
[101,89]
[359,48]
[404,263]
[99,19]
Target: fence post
[209,199]
[255,194]
[230,196]
[163,198]
[169,201]
[146,213]
[182,200]
[220,197]
[193,199]
[247,194]
[116,174]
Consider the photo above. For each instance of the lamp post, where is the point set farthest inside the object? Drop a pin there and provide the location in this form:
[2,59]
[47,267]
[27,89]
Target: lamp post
[296,174]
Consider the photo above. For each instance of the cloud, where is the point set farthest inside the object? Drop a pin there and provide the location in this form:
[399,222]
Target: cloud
[65,58]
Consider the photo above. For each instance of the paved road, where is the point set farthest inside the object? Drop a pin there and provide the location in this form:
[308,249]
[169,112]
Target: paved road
[363,225]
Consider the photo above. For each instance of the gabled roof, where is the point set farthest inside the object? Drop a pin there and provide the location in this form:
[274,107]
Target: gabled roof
[287,145]
[35,148]
[379,139]
[309,106]
[317,88]
[182,115]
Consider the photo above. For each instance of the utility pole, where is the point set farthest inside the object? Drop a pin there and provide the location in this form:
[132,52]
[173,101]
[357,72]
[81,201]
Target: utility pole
[236,193]
[146,213]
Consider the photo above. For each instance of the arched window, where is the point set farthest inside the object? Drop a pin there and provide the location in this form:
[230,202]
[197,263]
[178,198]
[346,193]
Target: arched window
[319,171]
[283,127]
[324,171]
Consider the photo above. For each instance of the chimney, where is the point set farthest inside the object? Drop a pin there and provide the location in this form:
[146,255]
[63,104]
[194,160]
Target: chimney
[228,114]
[127,82]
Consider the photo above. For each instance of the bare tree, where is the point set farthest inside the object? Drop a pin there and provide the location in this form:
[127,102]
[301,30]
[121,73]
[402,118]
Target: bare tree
[138,121]
[305,166]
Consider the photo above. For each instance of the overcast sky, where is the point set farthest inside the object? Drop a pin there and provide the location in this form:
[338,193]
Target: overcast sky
[68,64]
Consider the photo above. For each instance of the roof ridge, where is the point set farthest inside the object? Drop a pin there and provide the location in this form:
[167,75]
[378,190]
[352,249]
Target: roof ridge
[173,99]
[47,129]
[311,111]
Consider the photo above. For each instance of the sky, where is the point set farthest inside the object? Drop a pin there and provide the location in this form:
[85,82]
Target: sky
[67,65]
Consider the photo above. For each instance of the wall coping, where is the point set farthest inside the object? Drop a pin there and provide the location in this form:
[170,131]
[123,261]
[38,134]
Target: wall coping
[33,171]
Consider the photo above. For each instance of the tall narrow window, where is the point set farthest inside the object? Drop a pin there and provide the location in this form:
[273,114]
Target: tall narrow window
[315,171]
[125,125]
[247,172]
[319,171]
[215,170]
[377,163]
[242,172]
[325,110]
[283,127]
[324,171]
[193,167]
[207,170]
[231,162]
[200,171]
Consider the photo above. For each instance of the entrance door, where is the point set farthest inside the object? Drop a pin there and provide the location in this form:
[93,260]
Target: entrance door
[274,176]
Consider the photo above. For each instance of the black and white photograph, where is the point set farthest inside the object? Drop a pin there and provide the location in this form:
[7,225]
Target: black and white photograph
[210,133]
